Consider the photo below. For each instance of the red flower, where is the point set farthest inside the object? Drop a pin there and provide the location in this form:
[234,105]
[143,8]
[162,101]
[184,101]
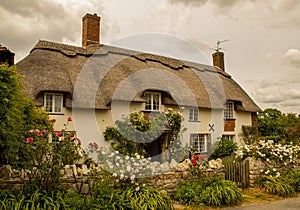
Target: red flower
[58,134]
[29,140]
[40,133]
[69,119]
[53,120]
[194,163]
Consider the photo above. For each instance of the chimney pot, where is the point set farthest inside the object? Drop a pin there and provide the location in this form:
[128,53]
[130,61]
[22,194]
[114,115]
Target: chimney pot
[218,60]
[90,30]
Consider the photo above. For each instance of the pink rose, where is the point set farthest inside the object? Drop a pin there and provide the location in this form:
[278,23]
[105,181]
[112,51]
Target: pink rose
[58,134]
[40,133]
[29,140]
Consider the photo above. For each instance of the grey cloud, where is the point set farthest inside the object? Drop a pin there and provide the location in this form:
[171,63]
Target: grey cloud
[32,8]
[220,6]
[292,56]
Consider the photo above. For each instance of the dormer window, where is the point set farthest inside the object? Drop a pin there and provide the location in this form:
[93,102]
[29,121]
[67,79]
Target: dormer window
[53,102]
[153,101]
[228,112]
[193,116]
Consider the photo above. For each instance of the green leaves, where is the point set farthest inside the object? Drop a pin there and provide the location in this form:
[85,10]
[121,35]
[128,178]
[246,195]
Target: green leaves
[211,191]
[17,116]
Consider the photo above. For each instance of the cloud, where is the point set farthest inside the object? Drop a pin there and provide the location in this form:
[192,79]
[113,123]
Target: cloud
[23,23]
[292,56]
[283,94]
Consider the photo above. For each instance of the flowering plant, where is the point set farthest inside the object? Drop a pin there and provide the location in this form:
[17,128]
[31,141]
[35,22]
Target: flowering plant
[125,169]
[134,132]
[47,152]
[275,156]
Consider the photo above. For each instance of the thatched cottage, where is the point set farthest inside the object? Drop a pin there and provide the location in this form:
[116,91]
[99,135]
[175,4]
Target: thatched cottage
[96,84]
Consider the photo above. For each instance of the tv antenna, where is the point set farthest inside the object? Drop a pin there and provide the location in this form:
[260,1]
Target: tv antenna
[218,48]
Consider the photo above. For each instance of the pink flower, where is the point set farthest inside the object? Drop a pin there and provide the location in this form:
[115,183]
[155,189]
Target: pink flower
[45,131]
[94,144]
[129,123]
[69,119]
[31,131]
[58,134]
[29,140]
[40,133]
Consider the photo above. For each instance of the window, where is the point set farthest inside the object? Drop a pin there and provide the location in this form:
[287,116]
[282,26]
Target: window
[53,102]
[152,101]
[229,137]
[193,114]
[199,142]
[228,112]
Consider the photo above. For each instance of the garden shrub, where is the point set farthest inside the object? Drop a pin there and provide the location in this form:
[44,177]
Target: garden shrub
[209,190]
[293,178]
[145,197]
[276,185]
[189,192]
[20,199]
[17,116]
[224,148]
[221,193]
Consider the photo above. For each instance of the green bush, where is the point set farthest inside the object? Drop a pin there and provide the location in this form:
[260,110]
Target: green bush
[209,190]
[293,178]
[189,192]
[19,199]
[143,198]
[221,193]
[276,185]
[224,148]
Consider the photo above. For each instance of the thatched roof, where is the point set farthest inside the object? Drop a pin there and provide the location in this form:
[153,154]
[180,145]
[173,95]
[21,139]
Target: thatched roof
[98,75]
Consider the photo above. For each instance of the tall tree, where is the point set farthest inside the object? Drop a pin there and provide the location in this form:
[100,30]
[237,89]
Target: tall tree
[17,116]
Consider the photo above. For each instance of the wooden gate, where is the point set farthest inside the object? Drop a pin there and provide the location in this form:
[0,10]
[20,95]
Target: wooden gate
[238,172]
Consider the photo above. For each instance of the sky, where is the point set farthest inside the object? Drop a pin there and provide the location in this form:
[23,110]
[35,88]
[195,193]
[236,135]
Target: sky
[262,52]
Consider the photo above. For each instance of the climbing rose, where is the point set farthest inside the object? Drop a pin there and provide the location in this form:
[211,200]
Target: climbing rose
[69,119]
[53,120]
[29,140]
[58,134]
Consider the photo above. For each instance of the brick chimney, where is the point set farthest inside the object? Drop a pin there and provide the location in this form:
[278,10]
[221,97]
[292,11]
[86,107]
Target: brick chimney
[6,56]
[218,60]
[90,30]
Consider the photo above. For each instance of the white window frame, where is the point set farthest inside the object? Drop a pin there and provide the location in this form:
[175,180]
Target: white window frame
[194,115]
[229,110]
[195,139]
[53,101]
[152,95]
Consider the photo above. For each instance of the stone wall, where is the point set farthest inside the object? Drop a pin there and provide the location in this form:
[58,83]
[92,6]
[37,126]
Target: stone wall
[257,167]
[75,177]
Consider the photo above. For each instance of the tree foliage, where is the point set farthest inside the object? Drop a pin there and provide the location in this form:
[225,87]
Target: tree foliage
[273,124]
[17,116]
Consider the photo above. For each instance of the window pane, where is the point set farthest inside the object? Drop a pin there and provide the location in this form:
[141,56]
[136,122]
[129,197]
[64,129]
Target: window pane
[191,115]
[148,102]
[57,103]
[199,142]
[195,114]
[228,112]
[49,103]
[155,101]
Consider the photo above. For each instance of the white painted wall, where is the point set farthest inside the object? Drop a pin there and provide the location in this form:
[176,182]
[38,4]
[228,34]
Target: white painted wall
[90,124]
